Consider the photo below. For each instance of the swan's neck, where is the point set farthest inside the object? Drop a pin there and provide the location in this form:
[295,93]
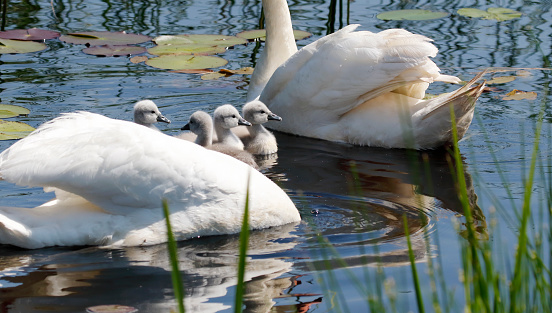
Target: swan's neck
[205,136]
[257,129]
[279,45]
[226,136]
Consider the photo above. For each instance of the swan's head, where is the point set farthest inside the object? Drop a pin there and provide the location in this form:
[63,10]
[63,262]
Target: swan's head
[147,113]
[200,122]
[257,112]
[227,116]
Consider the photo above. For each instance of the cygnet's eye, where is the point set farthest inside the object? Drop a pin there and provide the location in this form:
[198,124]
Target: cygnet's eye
[234,116]
[263,112]
[152,112]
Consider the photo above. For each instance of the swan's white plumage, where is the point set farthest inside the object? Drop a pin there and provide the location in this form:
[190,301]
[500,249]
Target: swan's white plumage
[110,176]
[355,86]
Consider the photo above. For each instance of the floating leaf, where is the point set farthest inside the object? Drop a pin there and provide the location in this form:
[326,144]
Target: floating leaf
[111,50]
[29,34]
[243,70]
[520,95]
[194,71]
[181,61]
[501,80]
[138,59]
[112,308]
[104,38]
[261,34]
[499,14]
[411,15]
[207,39]
[14,130]
[8,110]
[212,76]
[20,46]
[194,48]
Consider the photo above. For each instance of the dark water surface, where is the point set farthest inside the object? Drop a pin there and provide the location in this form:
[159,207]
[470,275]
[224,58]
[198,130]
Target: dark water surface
[361,219]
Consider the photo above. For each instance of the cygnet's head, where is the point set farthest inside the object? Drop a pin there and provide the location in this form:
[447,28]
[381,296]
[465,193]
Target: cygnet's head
[146,113]
[257,112]
[199,123]
[227,116]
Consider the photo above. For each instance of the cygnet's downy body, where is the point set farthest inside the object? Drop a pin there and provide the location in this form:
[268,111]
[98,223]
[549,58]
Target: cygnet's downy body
[147,113]
[259,141]
[201,125]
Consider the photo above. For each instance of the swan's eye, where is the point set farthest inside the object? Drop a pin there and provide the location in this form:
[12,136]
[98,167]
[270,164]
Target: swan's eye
[234,116]
[152,112]
[263,112]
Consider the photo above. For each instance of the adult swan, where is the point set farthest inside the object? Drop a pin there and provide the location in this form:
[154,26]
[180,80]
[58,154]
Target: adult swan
[110,177]
[357,87]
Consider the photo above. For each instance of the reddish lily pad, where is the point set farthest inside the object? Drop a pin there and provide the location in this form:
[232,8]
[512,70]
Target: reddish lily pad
[104,38]
[411,15]
[8,110]
[520,95]
[20,46]
[14,130]
[261,34]
[194,48]
[29,34]
[182,61]
[205,39]
[109,50]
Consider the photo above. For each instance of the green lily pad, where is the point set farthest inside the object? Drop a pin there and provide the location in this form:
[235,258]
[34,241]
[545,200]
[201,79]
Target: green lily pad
[104,38]
[207,39]
[20,46]
[14,130]
[29,34]
[501,80]
[182,61]
[110,50]
[499,14]
[8,110]
[193,48]
[261,34]
[411,15]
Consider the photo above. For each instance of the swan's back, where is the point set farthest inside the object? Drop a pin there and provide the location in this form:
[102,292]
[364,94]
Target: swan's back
[122,167]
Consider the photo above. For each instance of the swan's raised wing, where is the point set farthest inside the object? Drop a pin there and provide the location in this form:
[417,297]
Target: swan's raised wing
[122,167]
[339,71]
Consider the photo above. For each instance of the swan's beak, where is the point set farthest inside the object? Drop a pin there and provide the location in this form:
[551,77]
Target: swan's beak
[186,127]
[274,117]
[161,118]
[243,122]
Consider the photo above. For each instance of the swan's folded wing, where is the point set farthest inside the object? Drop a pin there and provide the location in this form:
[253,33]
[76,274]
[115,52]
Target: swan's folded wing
[344,69]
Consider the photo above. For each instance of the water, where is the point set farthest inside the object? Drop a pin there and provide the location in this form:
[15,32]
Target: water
[288,266]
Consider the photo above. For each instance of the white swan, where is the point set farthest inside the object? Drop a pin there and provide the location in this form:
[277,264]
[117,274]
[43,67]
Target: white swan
[147,113]
[110,177]
[256,138]
[201,124]
[357,87]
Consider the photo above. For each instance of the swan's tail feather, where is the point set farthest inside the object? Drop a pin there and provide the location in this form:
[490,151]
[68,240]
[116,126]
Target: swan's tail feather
[463,103]
[14,233]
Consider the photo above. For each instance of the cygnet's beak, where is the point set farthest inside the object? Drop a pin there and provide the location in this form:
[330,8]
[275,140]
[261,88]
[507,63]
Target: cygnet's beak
[161,118]
[274,117]
[242,121]
[186,127]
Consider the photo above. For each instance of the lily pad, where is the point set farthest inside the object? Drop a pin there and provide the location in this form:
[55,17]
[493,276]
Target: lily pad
[111,308]
[207,39]
[501,80]
[499,14]
[8,110]
[182,61]
[139,59]
[520,95]
[29,34]
[212,76]
[20,46]
[261,34]
[104,38]
[411,15]
[110,50]
[194,48]
[14,130]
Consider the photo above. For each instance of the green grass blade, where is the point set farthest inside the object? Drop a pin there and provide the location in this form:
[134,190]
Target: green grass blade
[244,242]
[175,271]
[415,279]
